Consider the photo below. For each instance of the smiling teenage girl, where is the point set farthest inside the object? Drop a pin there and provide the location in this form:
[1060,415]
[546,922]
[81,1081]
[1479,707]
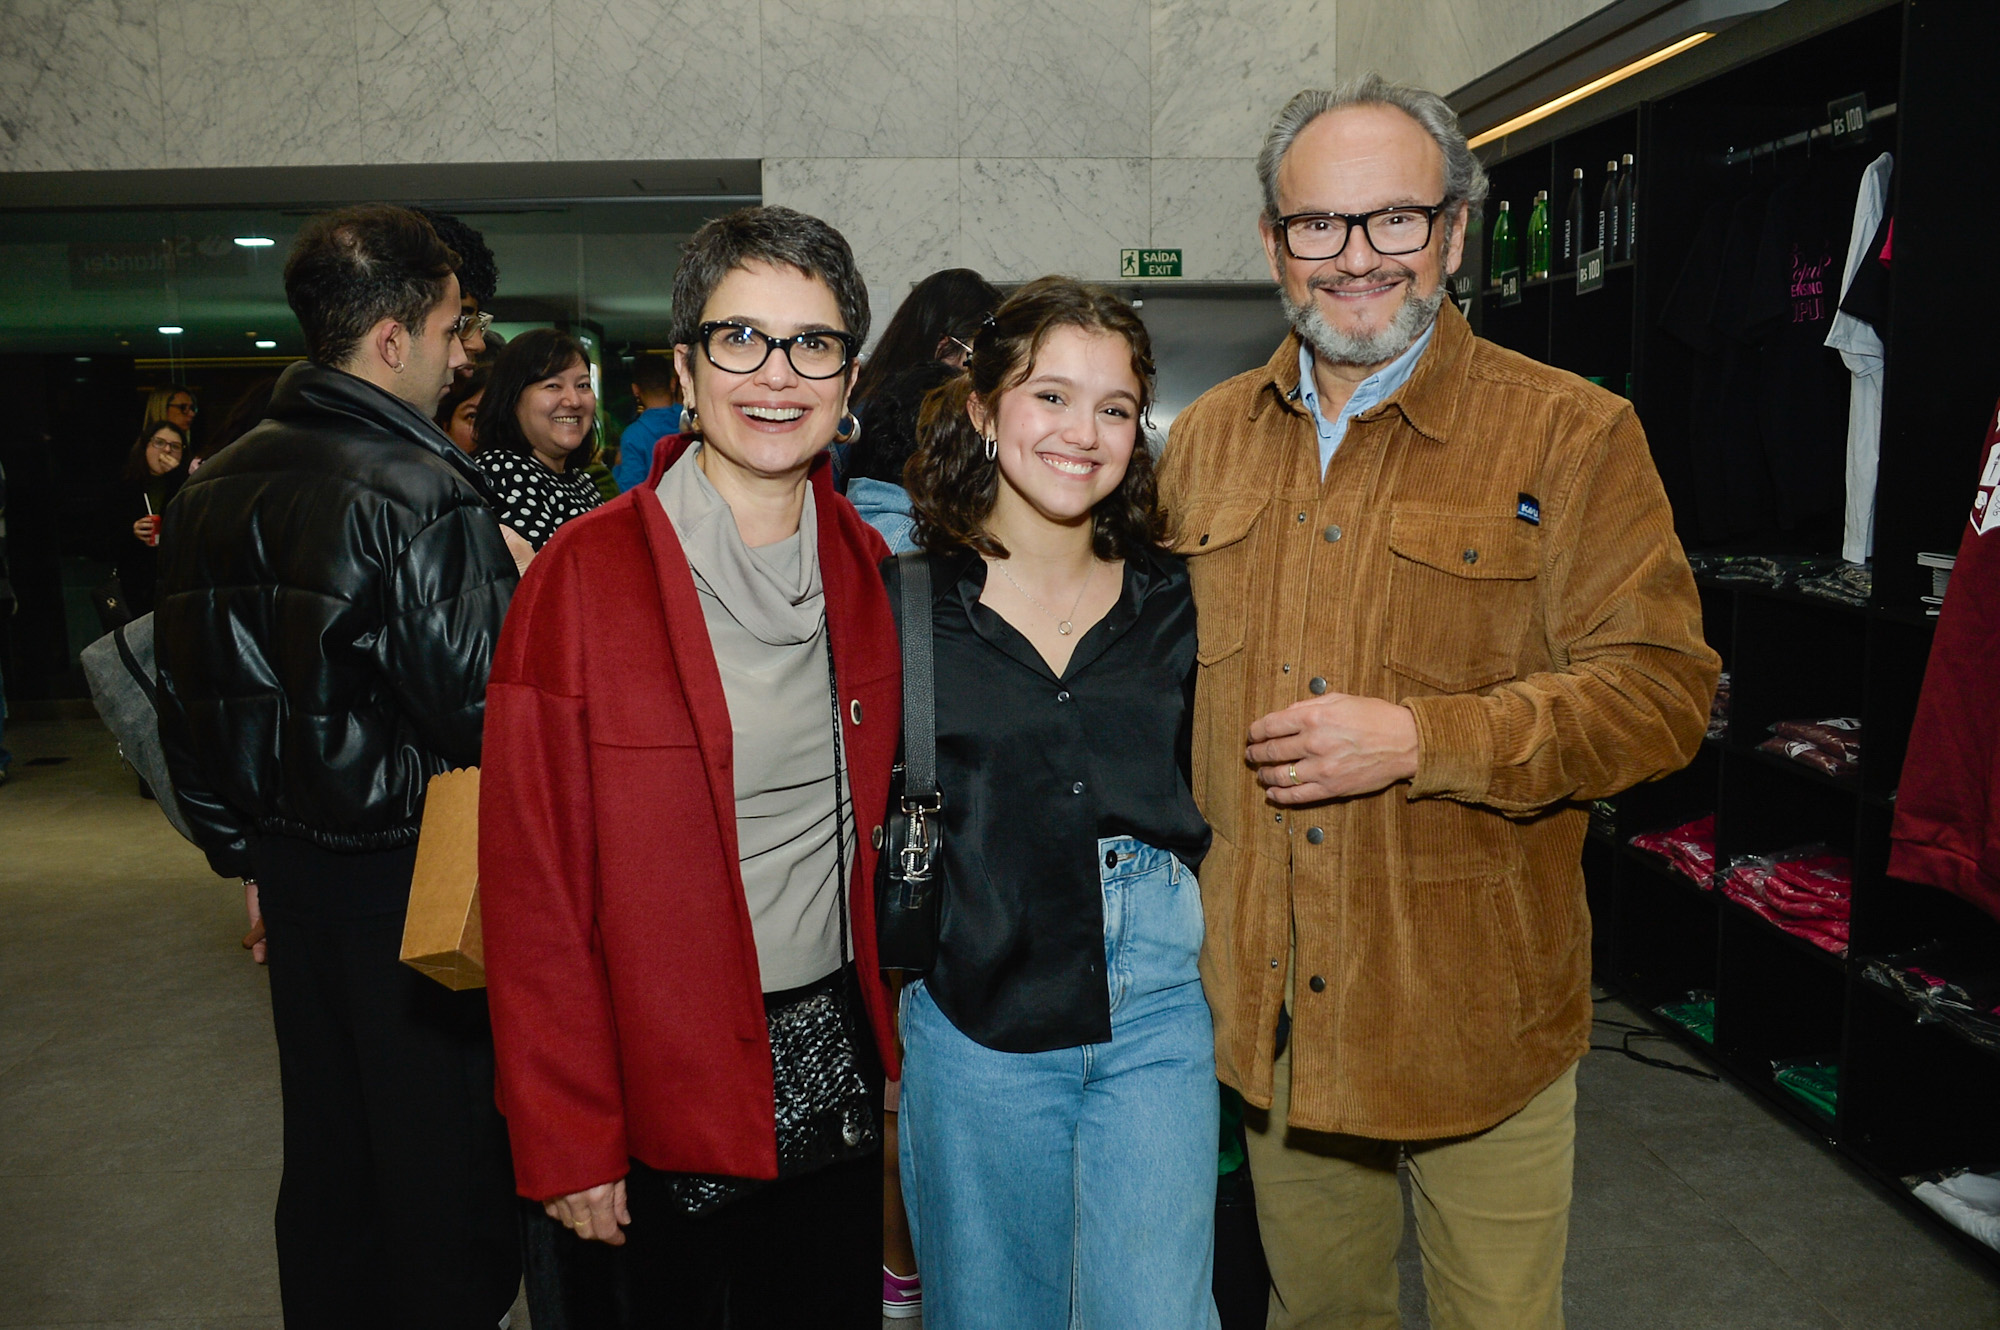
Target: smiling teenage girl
[1059,1102]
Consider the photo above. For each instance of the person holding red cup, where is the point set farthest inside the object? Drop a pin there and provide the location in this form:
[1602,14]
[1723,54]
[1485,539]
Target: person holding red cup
[154,470]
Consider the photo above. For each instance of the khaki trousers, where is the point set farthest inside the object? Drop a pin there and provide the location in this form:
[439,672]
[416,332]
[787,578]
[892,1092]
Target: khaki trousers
[1492,1215]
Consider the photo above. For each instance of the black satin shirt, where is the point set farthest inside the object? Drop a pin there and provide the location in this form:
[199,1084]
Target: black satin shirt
[1034,768]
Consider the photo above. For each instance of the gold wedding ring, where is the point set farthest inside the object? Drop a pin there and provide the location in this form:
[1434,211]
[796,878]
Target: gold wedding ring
[1292,773]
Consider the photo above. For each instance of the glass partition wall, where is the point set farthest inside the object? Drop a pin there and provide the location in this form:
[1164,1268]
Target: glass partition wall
[99,308]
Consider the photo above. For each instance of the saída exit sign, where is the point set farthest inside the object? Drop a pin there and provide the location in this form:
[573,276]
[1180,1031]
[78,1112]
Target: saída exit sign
[1149,263]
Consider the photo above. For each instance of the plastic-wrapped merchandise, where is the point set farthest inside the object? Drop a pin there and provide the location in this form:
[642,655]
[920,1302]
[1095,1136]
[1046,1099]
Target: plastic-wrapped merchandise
[1815,1084]
[1807,891]
[1850,584]
[1954,983]
[1831,744]
[1690,848]
[1718,710]
[1967,1201]
[1806,754]
[1769,570]
[1837,735]
[1696,1015]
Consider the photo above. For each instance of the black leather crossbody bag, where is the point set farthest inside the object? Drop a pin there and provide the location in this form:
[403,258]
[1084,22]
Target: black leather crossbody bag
[908,884]
[826,1079]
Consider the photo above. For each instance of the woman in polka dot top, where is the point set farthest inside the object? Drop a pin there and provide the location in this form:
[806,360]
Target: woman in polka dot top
[537,432]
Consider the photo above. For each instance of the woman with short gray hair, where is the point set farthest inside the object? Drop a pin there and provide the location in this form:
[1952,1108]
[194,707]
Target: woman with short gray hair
[695,699]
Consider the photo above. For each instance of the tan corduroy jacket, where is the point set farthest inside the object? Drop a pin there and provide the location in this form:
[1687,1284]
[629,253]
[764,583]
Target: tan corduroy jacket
[1443,944]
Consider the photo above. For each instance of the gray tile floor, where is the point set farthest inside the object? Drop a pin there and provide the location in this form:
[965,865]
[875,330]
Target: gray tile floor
[139,1120]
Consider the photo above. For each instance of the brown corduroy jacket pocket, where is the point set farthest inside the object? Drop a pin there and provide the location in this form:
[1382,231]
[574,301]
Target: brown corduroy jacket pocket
[1461,596]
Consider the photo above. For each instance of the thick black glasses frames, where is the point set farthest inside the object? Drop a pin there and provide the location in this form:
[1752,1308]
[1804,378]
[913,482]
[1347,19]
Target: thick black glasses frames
[1318,236]
[812,355]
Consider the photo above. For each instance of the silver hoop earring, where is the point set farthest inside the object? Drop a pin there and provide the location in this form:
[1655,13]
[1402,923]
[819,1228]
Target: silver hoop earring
[993,449]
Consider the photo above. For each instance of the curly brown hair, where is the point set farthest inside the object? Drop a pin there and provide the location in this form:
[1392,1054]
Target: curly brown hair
[951,484]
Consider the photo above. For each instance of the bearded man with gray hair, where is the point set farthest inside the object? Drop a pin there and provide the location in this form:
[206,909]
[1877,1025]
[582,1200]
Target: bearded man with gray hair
[1441,608]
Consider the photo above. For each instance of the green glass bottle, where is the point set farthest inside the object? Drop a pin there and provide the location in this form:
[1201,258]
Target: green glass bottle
[1505,256]
[1538,235]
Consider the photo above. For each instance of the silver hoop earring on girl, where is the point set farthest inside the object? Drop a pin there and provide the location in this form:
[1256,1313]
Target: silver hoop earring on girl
[993,449]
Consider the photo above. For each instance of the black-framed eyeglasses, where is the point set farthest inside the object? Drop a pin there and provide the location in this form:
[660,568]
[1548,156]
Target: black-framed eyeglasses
[742,349]
[1315,236]
[466,323]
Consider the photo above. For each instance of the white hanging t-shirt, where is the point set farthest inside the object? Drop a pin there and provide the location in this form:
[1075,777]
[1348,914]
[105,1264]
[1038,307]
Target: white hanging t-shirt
[1860,347]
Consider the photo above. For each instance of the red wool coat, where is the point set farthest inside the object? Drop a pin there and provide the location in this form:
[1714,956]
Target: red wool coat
[628,1017]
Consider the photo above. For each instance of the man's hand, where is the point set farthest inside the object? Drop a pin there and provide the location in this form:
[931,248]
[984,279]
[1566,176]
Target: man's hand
[1332,747]
[253,941]
[594,1213]
[523,552]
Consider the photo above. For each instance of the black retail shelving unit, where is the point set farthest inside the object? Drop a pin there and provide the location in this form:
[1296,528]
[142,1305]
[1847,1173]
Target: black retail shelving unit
[1915,1095]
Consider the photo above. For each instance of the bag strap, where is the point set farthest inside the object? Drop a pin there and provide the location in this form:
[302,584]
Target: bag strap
[839,822]
[132,666]
[920,784]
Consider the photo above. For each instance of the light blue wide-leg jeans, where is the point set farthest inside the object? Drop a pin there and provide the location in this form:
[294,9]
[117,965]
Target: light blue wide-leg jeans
[1075,1189]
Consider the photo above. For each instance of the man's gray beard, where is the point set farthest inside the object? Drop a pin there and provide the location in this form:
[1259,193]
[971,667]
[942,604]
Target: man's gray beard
[1339,348]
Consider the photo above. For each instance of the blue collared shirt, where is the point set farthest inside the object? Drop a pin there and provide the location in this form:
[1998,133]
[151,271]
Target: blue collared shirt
[1371,391]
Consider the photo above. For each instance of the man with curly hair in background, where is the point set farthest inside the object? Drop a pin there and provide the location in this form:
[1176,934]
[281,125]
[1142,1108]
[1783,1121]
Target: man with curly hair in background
[478,279]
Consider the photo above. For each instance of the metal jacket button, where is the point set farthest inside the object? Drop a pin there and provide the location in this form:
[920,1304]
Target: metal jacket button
[1316,984]
[1063,696]
[1315,835]
[1471,556]
[1318,685]
[1076,788]
[1332,534]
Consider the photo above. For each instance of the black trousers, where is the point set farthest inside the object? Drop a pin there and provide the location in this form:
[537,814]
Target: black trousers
[799,1253]
[397,1205]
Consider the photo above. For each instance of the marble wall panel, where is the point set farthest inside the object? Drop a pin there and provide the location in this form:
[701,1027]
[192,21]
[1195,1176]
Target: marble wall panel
[869,78]
[457,80]
[657,79]
[1207,206]
[1023,217]
[901,215]
[297,82]
[80,87]
[1055,78]
[1222,71]
[1445,44]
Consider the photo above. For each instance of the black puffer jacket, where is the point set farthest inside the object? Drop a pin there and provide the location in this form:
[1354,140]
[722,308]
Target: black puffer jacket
[331,586]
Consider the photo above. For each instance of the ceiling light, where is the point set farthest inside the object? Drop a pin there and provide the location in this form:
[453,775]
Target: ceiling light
[83,360]
[1596,85]
[266,344]
[255,242]
[172,329]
